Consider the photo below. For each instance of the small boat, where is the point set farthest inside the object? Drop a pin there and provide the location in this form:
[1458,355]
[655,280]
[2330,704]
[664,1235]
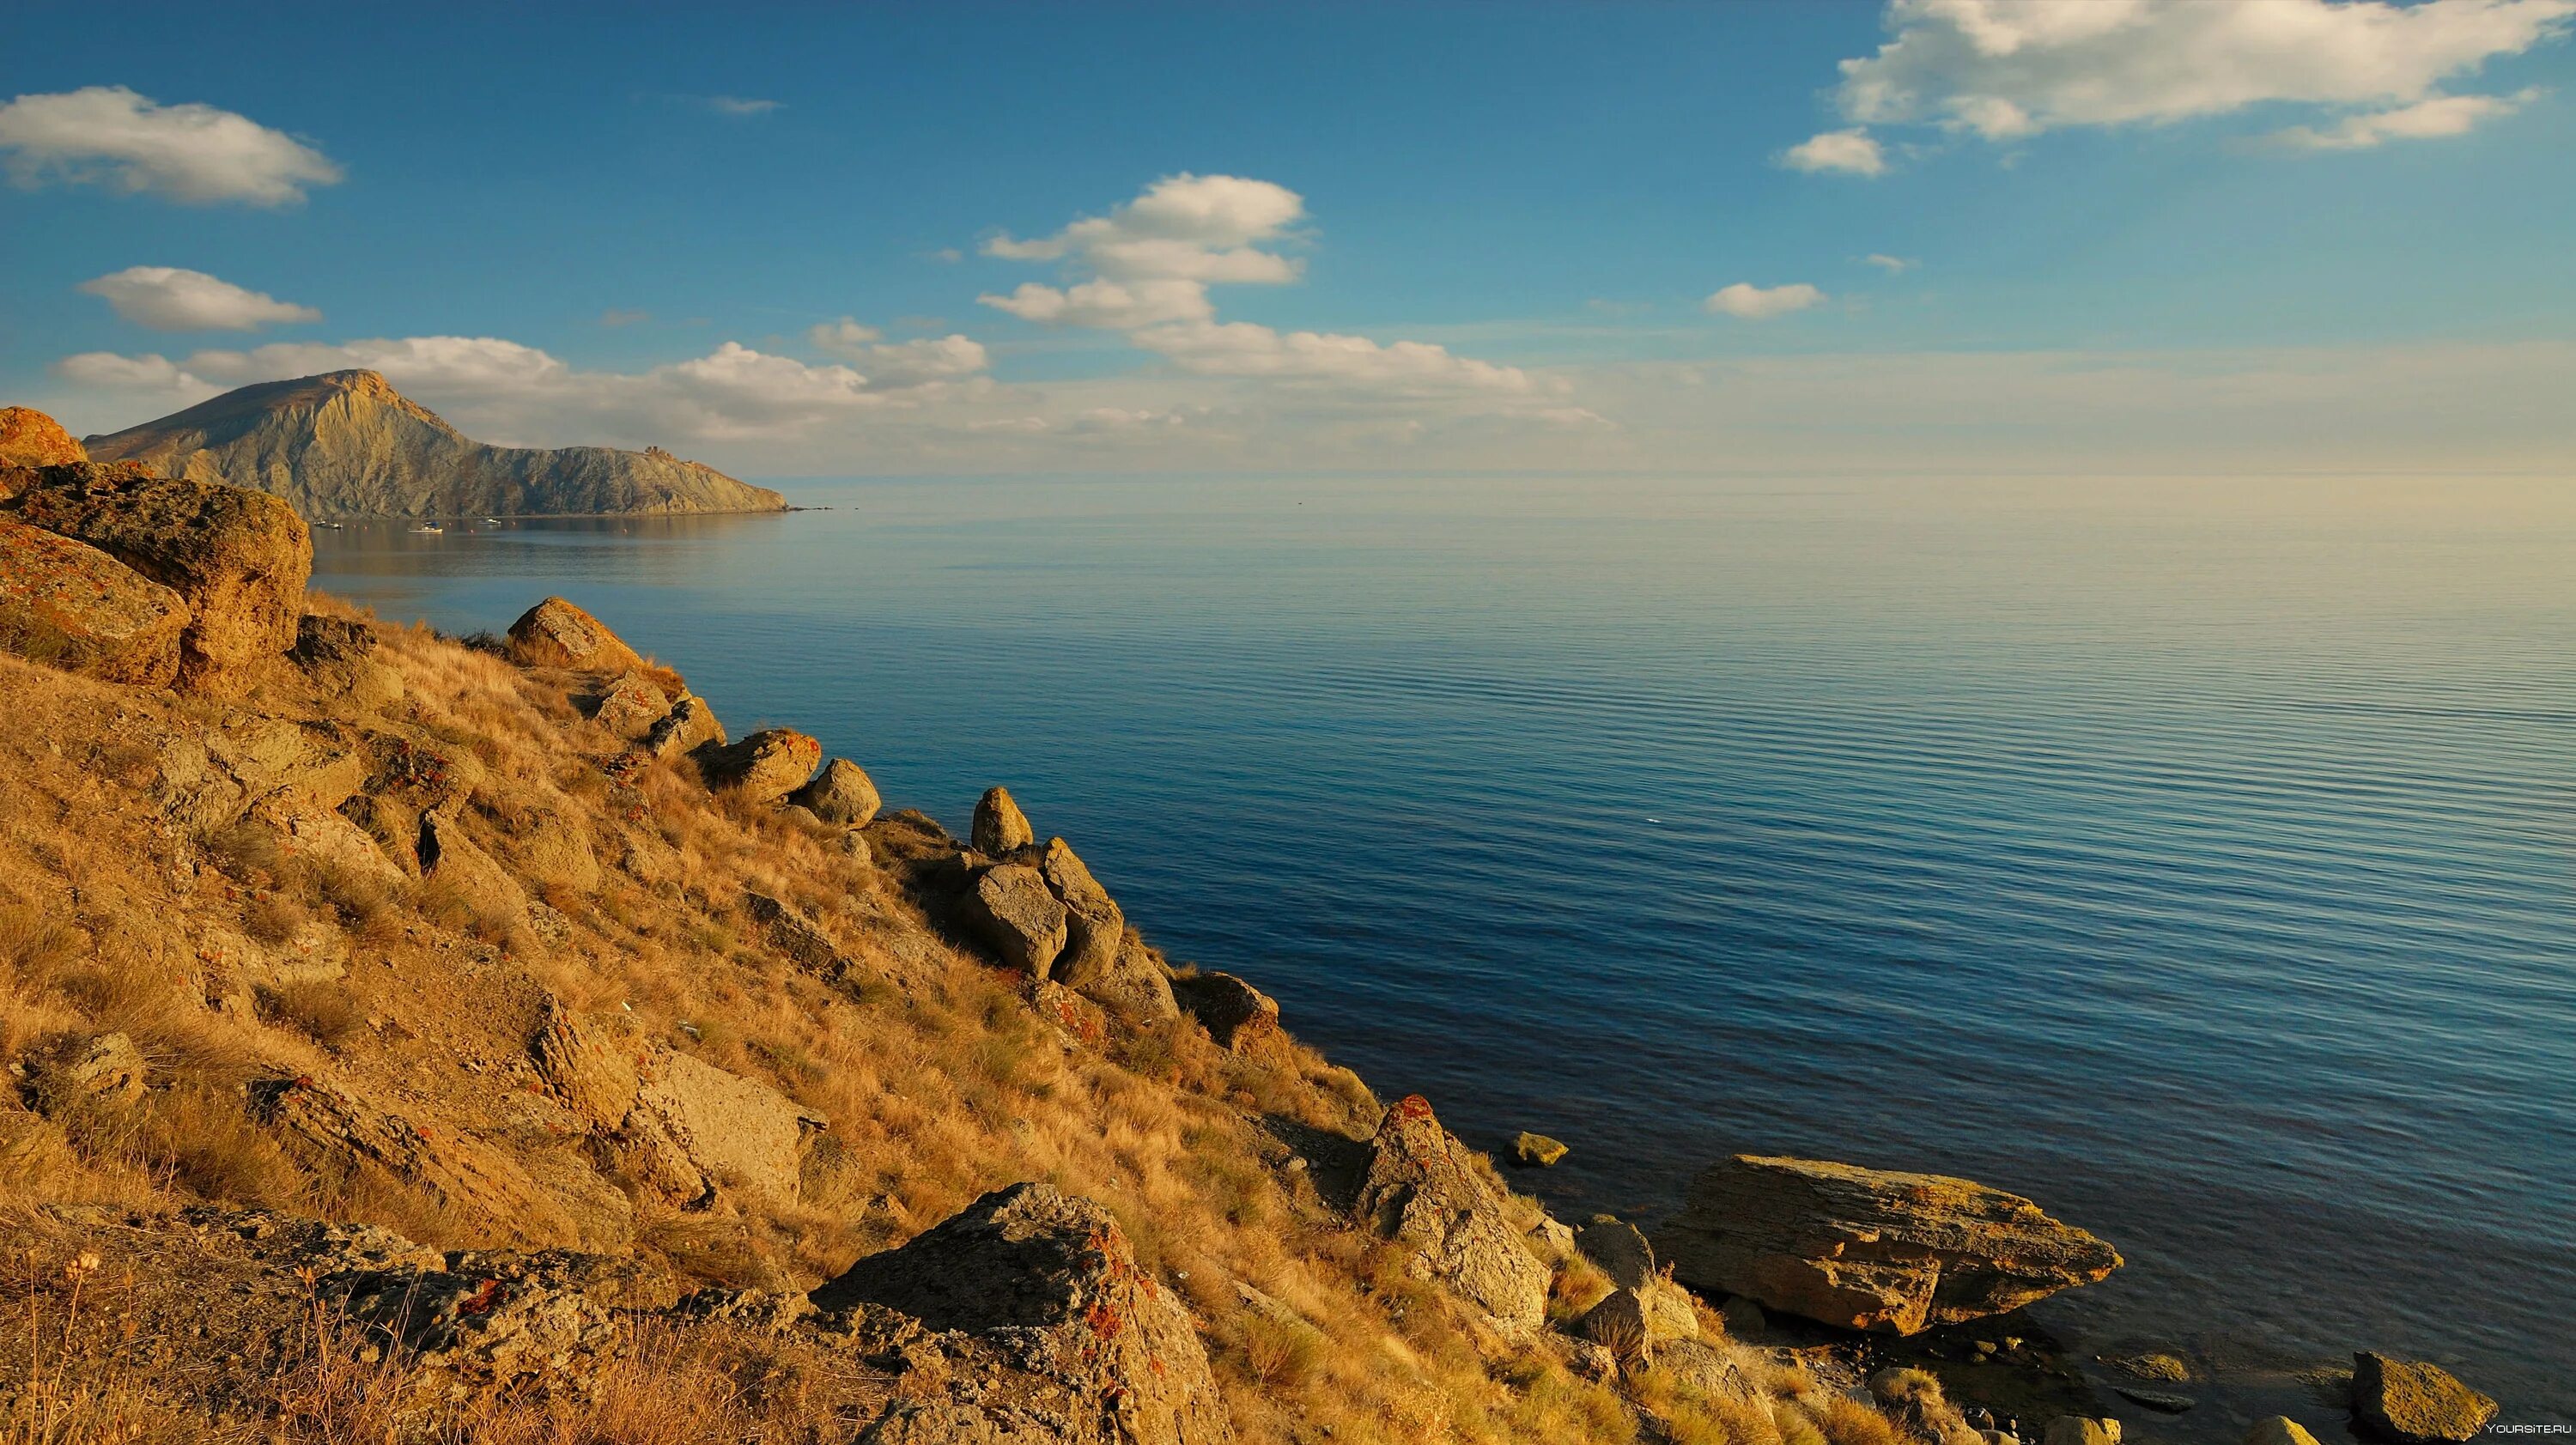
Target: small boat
[334,526]
[493,521]
[428,529]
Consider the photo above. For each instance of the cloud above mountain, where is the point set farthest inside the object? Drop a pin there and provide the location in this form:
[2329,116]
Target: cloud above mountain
[109,135]
[171,298]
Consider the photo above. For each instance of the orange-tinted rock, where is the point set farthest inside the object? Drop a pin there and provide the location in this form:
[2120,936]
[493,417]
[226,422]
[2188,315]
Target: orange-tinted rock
[29,438]
[765,766]
[72,606]
[1422,1190]
[238,559]
[554,633]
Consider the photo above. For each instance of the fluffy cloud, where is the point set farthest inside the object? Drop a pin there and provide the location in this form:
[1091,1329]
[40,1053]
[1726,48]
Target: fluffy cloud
[2442,115]
[1748,302]
[900,363]
[1892,265]
[1849,151]
[109,135]
[1153,259]
[2007,69]
[167,298]
[841,338]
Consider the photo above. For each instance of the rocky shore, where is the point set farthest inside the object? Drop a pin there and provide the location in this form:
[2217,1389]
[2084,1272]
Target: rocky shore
[425,1038]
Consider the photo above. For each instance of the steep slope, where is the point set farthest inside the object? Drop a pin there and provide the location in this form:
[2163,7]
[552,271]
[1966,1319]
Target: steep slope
[346,444]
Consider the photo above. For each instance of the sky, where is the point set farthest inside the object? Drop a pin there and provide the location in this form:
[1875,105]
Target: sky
[2048,236]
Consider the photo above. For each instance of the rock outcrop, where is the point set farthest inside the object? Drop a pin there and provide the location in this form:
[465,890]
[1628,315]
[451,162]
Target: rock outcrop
[1000,827]
[1422,1188]
[1868,1249]
[1234,1013]
[764,767]
[842,794]
[555,633]
[1663,1309]
[675,1122]
[29,438]
[2414,1403]
[1095,926]
[1049,1330]
[69,605]
[346,444]
[237,559]
[689,725]
[340,656]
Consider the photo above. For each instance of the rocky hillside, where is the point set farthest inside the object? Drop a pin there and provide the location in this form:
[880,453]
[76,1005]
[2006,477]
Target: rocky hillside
[346,444]
[421,1039]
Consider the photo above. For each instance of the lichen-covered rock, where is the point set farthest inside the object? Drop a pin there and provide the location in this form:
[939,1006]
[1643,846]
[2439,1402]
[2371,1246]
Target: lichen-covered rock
[1869,1249]
[1000,827]
[1051,1330]
[1135,985]
[339,655]
[1012,907]
[238,559]
[555,633]
[764,767]
[629,704]
[29,438]
[689,725]
[69,605]
[2414,1403]
[841,794]
[1235,1014]
[1422,1188]
[1622,1253]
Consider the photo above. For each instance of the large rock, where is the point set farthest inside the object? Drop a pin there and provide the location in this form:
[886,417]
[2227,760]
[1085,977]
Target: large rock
[2413,1403]
[1422,1189]
[689,725]
[482,1190]
[1050,1330]
[1023,921]
[78,1072]
[1622,1253]
[764,767]
[1095,926]
[1235,1014]
[842,793]
[69,605]
[629,704]
[339,655]
[742,1133]
[554,633]
[1868,1249]
[674,1122]
[1000,827]
[238,559]
[29,438]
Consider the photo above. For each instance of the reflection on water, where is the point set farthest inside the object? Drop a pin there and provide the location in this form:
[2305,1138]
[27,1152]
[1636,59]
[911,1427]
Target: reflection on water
[2193,856]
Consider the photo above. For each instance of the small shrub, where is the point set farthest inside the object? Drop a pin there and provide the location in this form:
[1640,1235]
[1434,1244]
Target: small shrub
[323,1011]
[1281,1353]
[274,919]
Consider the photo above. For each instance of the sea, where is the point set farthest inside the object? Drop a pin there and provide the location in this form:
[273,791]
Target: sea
[2196,856]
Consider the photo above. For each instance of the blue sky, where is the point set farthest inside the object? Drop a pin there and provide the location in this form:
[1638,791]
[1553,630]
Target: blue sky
[2112,234]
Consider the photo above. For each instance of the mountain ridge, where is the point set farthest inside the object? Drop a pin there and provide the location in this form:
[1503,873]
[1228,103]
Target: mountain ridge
[348,444]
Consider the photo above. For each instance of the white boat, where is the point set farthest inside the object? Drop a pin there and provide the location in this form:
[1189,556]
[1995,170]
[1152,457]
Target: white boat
[428,528]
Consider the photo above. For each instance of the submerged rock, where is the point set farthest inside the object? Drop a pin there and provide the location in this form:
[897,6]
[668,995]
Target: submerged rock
[1050,1329]
[1869,1249]
[1423,1189]
[1000,827]
[2414,1403]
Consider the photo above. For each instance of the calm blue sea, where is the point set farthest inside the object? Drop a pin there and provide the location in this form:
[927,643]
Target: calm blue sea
[2197,857]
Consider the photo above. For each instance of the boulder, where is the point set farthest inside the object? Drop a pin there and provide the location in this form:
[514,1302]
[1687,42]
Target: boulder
[69,605]
[764,767]
[79,1072]
[1537,1150]
[2414,1403]
[1012,908]
[1868,1249]
[339,655]
[842,794]
[554,633]
[448,856]
[1915,1401]
[739,1132]
[309,830]
[2279,1430]
[796,936]
[1134,986]
[2081,1430]
[1000,827]
[29,438]
[629,704]
[1708,1369]
[1235,1014]
[675,1122]
[1095,928]
[1622,1253]
[237,559]
[1051,1331]
[687,727]
[1422,1188]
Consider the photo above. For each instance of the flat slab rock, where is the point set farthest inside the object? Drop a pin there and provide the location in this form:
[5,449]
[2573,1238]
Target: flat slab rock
[2413,1403]
[1870,1249]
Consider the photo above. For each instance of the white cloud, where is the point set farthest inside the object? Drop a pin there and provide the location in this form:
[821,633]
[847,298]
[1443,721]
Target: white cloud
[2443,115]
[2006,69]
[107,134]
[844,337]
[1184,227]
[1851,152]
[1760,303]
[1892,265]
[741,105]
[1240,348]
[1109,305]
[925,360]
[167,298]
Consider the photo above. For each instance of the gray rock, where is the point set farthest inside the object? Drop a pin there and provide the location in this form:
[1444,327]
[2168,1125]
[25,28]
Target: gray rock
[1421,1189]
[1018,916]
[1095,928]
[1235,1014]
[842,794]
[689,725]
[1000,827]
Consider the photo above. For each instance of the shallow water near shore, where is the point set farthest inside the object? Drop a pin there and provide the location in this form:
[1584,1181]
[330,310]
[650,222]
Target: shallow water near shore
[2196,857]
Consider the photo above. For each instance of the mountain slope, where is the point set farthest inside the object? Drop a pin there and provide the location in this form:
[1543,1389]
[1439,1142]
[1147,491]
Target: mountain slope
[346,444]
